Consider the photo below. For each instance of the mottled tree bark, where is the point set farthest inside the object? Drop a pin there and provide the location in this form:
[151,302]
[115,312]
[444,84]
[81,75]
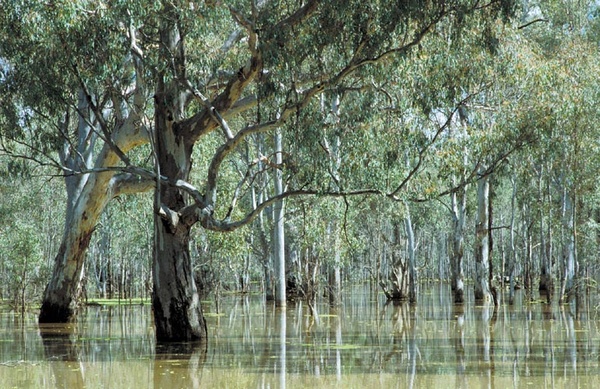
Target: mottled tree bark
[175,300]
[61,294]
[482,286]
[459,209]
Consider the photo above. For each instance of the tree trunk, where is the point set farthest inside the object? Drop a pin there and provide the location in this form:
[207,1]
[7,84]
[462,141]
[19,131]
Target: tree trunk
[459,215]
[512,258]
[278,229]
[459,210]
[482,286]
[334,274]
[82,212]
[62,292]
[398,274]
[412,265]
[175,301]
[546,284]
[569,257]
[87,196]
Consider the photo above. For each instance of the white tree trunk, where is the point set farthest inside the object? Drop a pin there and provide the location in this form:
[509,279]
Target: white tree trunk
[569,255]
[459,210]
[62,292]
[412,265]
[482,285]
[278,230]
[513,250]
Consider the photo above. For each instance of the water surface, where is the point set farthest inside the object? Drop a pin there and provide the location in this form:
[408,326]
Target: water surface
[365,343]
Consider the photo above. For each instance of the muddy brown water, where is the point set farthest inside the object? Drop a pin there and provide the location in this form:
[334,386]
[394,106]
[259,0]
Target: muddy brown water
[363,344]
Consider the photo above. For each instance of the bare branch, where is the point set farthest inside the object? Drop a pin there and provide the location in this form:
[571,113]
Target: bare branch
[421,156]
[532,22]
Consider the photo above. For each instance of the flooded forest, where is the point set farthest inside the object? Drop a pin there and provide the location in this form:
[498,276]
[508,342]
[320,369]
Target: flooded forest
[282,193]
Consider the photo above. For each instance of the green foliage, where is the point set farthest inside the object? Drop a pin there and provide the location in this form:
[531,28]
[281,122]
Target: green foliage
[28,221]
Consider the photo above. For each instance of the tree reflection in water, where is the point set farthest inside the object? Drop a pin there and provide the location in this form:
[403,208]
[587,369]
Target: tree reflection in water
[179,365]
[61,349]
[362,343]
[459,345]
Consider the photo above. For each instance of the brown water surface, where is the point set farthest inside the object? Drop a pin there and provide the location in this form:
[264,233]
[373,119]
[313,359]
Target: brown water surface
[363,344]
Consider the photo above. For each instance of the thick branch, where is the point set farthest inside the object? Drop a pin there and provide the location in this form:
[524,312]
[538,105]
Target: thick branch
[127,183]
[194,213]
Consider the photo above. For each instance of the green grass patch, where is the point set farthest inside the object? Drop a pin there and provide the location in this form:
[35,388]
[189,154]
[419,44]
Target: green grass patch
[106,302]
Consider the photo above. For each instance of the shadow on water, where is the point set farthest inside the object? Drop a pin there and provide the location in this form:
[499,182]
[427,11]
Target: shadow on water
[363,343]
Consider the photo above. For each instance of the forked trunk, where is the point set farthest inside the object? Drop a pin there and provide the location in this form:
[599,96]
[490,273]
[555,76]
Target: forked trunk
[175,300]
[88,195]
[62,292]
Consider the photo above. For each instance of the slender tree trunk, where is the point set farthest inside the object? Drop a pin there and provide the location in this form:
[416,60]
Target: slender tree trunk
[331,115]
[459,215]
[335,276]
[512,258]
[482,286]
[412,265]
[278,230]
[546,284]
[459,209]
[266,254]
[569,257]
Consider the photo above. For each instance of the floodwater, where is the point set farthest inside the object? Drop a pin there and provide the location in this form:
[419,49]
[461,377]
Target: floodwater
[363,344]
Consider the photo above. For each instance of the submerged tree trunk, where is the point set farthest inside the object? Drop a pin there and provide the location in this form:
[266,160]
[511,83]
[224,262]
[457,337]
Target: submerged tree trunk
[459,209]
[278,229]
[512,258]
[482,286]
[87,201]
[546,284]
[412,265]
[334,152]
[395,287]
[83,209]
[62,292]
[569,256]
[175,300]
[88,194]
[459,215]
